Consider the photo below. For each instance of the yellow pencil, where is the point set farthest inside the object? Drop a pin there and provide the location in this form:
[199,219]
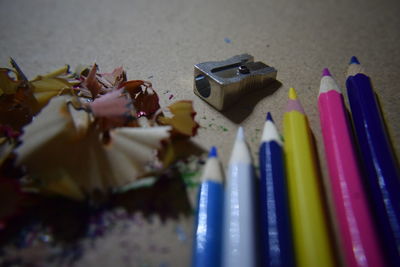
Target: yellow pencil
[313,247]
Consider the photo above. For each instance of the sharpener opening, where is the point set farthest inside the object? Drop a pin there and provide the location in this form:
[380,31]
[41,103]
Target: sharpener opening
[202,85]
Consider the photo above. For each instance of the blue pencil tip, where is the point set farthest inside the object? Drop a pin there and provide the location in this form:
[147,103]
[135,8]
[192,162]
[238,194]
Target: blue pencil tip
[269,117]
[213,152]
[354,60]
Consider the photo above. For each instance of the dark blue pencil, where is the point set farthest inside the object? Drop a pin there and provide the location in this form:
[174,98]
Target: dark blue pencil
[277,247]
[208,225]
[379,163]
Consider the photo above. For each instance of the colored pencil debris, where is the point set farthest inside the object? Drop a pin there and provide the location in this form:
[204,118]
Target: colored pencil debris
[79,133]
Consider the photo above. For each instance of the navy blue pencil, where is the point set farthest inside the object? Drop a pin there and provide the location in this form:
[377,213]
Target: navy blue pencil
[208,226]
[276,236]
[381,169]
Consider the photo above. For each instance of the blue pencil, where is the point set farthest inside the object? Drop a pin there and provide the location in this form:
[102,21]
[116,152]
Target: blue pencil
[208,225]
[276,236]
[239,233]
[381,169]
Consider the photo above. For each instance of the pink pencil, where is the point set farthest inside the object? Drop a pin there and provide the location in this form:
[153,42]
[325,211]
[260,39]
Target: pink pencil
[358,239]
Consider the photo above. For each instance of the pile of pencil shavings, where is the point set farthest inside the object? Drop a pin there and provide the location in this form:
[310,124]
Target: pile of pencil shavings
[77,133]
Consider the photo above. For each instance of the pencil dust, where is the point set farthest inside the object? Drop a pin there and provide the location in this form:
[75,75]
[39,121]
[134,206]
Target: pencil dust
[86,142]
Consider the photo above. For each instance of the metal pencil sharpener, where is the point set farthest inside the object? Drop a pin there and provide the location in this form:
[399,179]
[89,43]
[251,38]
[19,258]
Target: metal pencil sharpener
[221,83]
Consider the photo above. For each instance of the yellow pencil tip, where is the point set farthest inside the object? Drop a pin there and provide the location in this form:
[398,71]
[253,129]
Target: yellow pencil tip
[292,94]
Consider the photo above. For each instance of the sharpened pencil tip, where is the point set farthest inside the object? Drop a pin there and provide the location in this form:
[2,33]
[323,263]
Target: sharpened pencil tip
[292,94]
[269,117]
[354,60]
[240,134]
[213,152]
[13,63]
[293,102]
[326,72]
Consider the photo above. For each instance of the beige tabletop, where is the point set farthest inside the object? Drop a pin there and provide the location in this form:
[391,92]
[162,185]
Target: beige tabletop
[160,41]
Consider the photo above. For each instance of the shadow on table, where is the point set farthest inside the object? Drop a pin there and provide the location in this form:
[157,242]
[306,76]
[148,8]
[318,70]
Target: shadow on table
[65,220]
[326,209]
[168,196]
[240,110]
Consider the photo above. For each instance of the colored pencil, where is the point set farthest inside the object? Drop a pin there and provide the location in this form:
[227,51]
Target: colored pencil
[239,240]
[208,223]
[312,242]
[276,234]
[358,240]
[381,169]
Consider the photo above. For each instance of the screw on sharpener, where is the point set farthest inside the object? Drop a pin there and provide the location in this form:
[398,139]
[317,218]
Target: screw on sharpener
[221,83]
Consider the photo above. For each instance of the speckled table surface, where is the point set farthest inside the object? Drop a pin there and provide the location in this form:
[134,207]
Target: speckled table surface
[160,41]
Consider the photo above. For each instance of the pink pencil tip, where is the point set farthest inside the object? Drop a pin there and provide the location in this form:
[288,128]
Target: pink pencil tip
[326,72]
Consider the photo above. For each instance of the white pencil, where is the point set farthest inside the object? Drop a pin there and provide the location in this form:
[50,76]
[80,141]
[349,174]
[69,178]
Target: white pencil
[239,241]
